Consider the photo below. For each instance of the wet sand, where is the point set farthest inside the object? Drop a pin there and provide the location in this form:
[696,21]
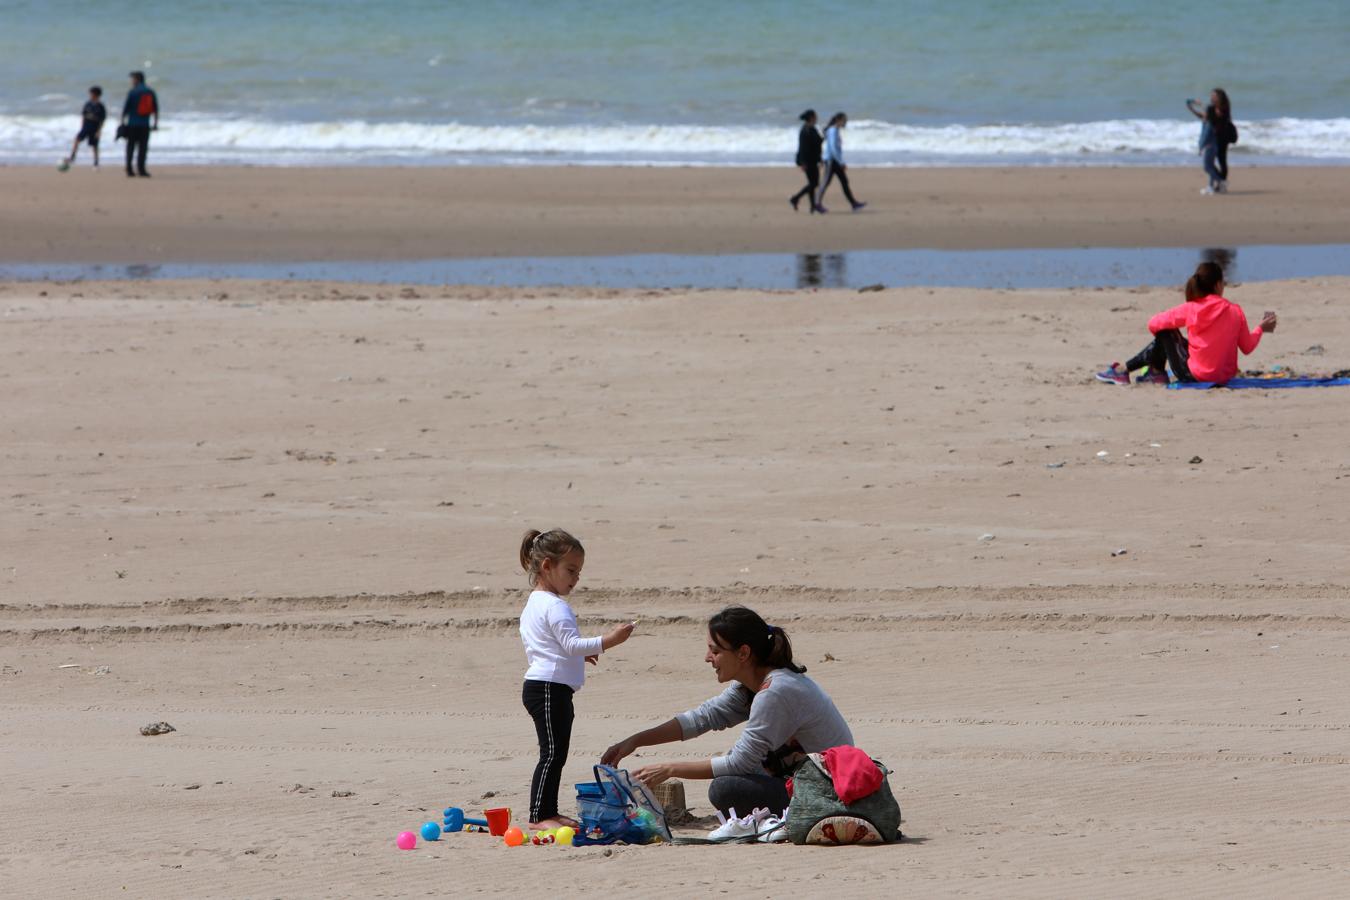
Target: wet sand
[222,214]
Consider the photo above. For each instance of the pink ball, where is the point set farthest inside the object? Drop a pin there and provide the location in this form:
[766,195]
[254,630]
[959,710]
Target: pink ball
[407,840]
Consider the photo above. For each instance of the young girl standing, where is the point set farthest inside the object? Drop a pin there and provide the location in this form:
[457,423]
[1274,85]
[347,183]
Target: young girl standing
[557,654]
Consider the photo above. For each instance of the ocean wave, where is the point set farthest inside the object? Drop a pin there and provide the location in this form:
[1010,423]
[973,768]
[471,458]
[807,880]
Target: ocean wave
[199,138]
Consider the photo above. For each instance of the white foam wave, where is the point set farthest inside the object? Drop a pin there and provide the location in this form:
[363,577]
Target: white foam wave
[195,138]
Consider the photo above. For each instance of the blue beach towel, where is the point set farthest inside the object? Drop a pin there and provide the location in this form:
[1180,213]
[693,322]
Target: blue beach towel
[1238,384]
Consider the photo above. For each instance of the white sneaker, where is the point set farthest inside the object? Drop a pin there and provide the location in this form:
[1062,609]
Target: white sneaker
[734,827]
[1221,187]
[1207,190]
[773,830]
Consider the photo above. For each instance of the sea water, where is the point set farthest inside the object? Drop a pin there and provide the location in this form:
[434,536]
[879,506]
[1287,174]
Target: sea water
[699,82]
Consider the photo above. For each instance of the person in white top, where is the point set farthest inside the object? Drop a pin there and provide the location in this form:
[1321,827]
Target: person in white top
[557,655]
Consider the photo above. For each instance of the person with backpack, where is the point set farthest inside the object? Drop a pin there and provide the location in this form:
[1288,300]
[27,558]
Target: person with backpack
[140,116]
[1217,131]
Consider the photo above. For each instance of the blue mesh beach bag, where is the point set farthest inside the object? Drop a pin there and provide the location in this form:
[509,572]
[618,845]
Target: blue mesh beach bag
[616,808]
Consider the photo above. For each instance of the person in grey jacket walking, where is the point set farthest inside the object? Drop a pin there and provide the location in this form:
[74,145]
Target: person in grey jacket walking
[786,716]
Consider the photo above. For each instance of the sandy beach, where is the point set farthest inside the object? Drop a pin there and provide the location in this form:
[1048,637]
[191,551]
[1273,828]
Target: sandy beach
[222,214]
[283,517]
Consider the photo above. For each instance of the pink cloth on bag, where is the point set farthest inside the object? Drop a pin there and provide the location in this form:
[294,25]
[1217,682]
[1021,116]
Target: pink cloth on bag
[853,773]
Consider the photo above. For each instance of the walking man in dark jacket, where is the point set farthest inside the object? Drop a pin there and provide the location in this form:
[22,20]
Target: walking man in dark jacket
[140,116]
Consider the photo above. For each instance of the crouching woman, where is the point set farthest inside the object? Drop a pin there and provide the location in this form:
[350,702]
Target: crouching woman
[786,716]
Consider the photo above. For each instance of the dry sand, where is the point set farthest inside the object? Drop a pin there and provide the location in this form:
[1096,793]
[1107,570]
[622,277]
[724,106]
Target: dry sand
[238,214]
[343,472]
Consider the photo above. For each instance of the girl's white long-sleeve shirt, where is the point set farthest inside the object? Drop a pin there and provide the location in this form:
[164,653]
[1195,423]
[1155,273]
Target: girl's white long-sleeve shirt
[554,648]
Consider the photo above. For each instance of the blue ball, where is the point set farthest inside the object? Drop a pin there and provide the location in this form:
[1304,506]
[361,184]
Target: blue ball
[431,832]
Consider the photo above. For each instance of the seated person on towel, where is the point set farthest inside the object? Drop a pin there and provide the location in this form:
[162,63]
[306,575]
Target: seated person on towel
[1216,329]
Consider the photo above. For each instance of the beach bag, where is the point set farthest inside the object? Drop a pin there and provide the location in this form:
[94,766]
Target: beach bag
[1230,132]
[615,808]
[817,816]
[145,104]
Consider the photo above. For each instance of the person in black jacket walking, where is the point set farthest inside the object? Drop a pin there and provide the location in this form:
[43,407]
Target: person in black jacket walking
[808,160]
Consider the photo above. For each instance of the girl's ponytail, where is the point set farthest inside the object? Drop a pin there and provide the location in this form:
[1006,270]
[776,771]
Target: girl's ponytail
[527,544]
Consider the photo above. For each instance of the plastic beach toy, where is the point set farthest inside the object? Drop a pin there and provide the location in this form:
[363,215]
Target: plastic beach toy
[454,821]
[498,820]
[407,840]
[431,832]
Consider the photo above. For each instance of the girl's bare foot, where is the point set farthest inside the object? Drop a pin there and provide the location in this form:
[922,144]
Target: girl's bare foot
[554,822]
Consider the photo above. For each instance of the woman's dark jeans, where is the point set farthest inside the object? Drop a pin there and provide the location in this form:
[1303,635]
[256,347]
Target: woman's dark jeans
[745,793]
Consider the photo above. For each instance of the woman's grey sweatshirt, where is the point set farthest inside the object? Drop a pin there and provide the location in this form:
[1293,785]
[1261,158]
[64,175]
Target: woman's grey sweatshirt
[791,715]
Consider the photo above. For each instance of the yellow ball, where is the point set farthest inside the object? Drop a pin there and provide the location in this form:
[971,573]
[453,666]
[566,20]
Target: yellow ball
[565,835]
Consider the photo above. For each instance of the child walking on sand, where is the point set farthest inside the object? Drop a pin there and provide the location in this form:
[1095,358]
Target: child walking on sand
[1216,329]
[92,118]
[557,655]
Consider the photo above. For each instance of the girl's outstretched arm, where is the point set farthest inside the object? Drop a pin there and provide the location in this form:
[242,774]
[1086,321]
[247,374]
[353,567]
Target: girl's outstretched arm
[666,733]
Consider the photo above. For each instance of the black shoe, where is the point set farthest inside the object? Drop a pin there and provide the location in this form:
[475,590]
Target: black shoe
[794,201]
[144,174]
[130,174]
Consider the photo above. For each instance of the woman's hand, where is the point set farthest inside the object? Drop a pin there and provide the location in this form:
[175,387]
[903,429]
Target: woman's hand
[654,774]
[618,751]
[1268,321]
[593,660]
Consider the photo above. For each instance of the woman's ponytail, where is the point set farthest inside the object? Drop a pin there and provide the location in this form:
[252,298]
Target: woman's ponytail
[780,651]
[738,626]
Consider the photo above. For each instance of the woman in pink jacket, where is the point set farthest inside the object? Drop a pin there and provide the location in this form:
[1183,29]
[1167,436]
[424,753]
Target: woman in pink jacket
[1216,330]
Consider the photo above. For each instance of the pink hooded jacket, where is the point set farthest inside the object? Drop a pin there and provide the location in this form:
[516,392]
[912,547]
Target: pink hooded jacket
[1216,329]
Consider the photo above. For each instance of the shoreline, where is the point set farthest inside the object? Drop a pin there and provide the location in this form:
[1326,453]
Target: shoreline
[240,214]
[1020,269]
